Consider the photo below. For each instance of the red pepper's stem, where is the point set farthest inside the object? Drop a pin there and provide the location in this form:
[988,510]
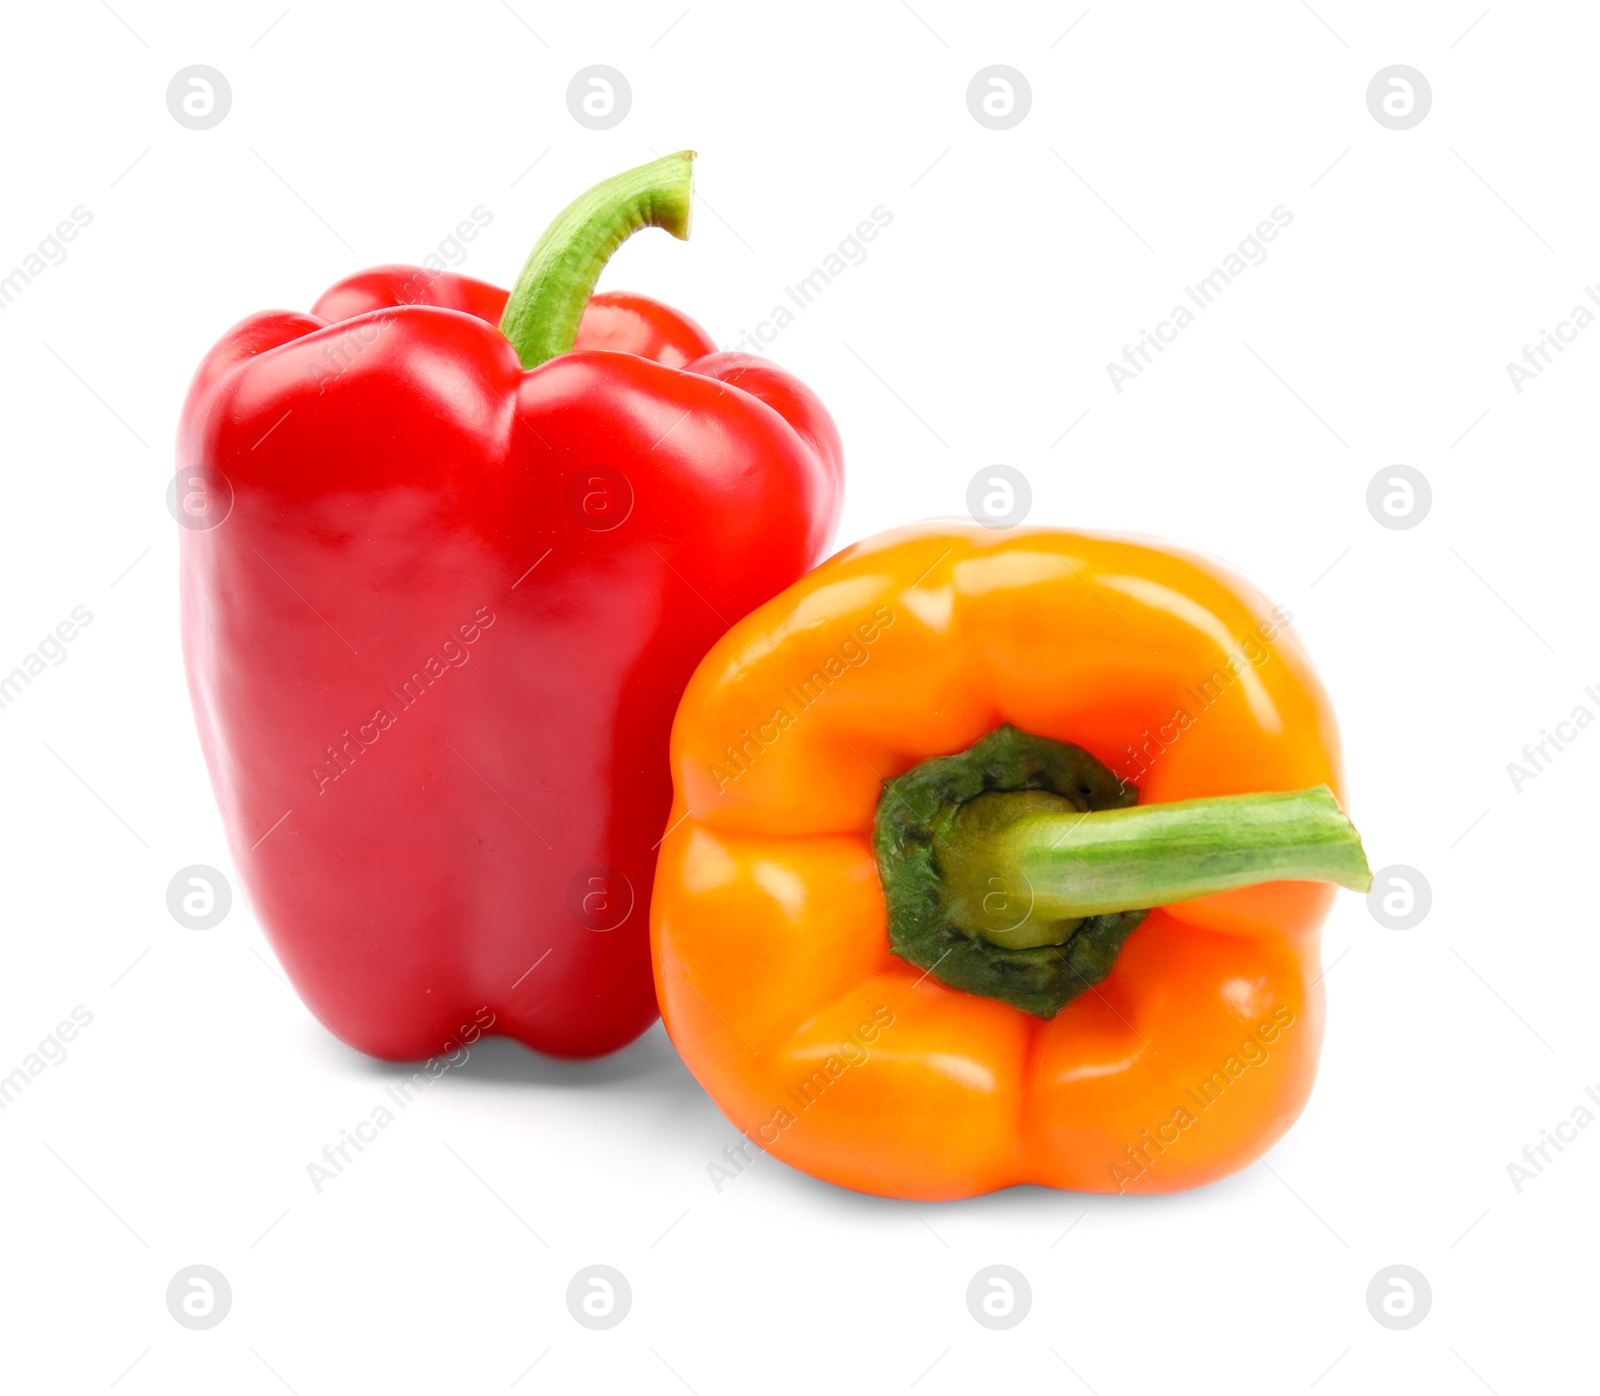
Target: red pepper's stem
[541,317]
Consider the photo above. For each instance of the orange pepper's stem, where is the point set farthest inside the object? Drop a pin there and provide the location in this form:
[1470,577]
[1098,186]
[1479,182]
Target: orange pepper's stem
[1016,869]
[1063,865]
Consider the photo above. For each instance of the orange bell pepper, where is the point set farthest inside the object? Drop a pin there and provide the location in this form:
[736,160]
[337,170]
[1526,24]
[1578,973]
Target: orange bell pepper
[982,867]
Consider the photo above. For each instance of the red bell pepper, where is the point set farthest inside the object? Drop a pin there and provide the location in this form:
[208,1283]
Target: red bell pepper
[446,583]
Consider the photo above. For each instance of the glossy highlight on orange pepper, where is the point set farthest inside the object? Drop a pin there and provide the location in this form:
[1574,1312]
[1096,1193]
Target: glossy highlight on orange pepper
[768,924]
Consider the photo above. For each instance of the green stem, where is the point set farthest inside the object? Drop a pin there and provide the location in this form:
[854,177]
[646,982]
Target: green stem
[1016,869]
[541,317]
[1056,865]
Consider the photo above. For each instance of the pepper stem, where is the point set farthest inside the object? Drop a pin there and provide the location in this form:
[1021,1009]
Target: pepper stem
[541,317]
[1016,869]
[1052,866]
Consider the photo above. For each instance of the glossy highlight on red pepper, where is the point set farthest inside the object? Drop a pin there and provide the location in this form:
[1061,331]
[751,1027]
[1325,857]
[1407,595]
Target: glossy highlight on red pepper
[438,630]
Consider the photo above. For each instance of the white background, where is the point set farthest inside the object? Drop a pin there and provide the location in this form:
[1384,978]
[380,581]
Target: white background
[178,1129]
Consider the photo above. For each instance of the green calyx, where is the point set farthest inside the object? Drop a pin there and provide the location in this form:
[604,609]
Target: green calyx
[1017,868]
[542,314]
[941,931]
